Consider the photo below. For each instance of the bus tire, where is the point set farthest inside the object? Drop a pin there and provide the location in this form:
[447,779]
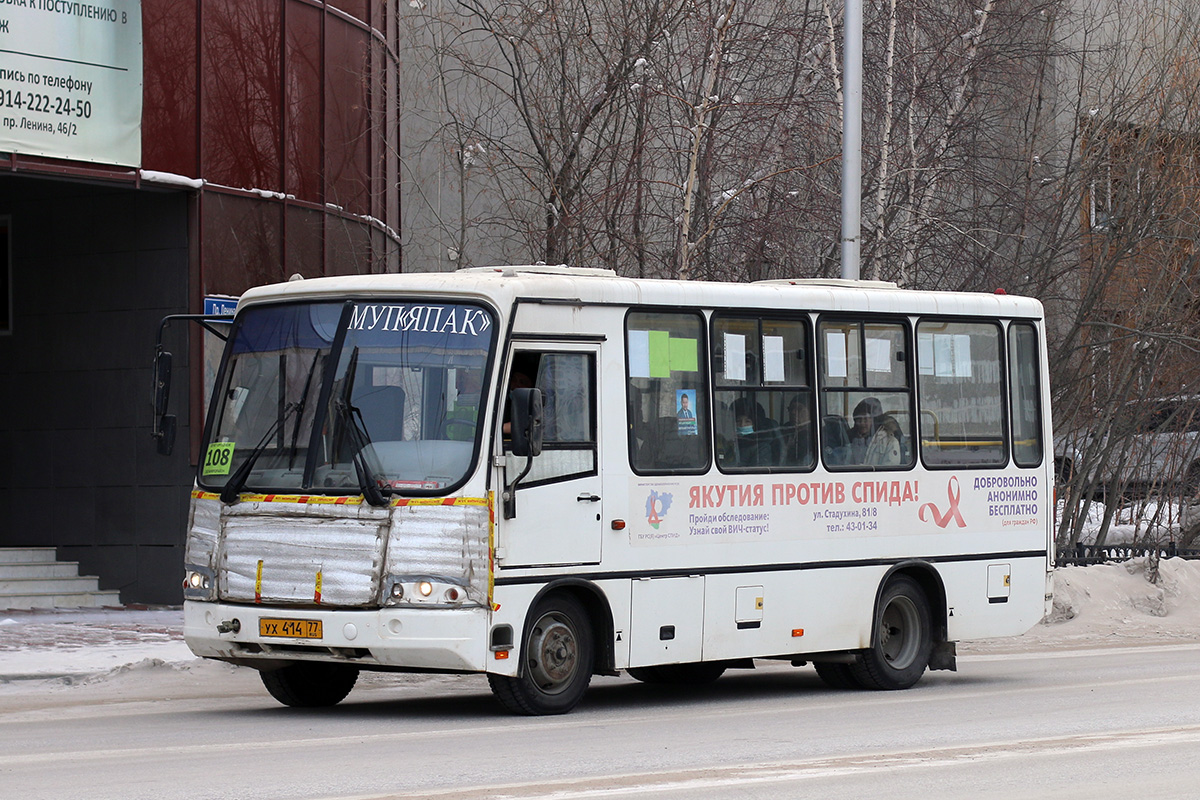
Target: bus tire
[694,674]
[837,675]
[310,684]
[557,656]
[902,641]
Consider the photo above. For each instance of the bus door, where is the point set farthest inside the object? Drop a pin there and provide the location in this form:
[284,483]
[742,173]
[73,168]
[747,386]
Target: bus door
[559,503]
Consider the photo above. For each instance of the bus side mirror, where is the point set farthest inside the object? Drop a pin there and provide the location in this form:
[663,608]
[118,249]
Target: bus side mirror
[166,434]
[526,428]
[164,423]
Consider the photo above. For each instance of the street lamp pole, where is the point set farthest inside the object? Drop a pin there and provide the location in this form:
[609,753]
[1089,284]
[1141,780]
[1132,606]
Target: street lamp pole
[852,66]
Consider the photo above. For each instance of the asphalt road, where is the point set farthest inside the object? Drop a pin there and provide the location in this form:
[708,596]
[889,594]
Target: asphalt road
[1120,722]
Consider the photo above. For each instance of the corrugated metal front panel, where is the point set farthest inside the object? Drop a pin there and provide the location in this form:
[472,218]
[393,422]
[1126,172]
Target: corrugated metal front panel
[348,554]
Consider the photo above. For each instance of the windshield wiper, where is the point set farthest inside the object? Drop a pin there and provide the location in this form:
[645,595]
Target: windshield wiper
[352,418]
[237,480]
[300,411]
[368,480]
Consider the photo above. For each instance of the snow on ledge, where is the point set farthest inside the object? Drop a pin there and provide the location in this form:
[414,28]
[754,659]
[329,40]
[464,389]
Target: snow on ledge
[170,179]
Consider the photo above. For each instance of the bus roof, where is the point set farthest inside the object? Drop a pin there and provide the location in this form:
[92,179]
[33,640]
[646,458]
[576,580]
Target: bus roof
[506,285]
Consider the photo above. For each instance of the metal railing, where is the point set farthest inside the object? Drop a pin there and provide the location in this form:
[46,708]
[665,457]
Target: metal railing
[1099,554]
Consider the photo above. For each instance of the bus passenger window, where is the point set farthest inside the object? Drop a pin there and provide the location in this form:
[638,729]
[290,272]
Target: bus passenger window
[1025,389]
[962,394]
[762,393]
[667,393]
[866,402]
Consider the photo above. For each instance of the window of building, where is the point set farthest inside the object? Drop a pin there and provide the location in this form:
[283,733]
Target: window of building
[668,393]
[961,394]
[762,394]
[1025,390]
[866,397]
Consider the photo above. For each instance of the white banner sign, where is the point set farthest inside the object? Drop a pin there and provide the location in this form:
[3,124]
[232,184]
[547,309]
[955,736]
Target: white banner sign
[71,79]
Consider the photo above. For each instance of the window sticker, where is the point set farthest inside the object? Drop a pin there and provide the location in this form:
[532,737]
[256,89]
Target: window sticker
[683,355]
[962,355]
[639,354]
[218,458]
[835,354]
[685,411]
[773,358]
[660,354]
[735,357]
[879,355]
[952,355]
[925,353]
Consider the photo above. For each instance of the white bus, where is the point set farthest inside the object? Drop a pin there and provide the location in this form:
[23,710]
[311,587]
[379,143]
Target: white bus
[546,473]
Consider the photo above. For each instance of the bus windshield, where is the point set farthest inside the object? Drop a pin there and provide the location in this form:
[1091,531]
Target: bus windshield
[334,398]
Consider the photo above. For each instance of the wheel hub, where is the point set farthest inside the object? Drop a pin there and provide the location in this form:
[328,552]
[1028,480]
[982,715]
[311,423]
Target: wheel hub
[554,655]
[899,646]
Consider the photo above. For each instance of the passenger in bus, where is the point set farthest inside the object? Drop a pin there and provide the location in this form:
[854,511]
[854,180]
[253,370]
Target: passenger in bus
[758,442]
[875,437]
[798,434]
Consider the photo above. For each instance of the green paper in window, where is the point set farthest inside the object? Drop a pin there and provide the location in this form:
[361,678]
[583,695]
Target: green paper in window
[660,354]
[683,355]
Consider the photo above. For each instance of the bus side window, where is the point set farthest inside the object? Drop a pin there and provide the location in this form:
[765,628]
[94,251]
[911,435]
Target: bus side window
[1025,389]
[961,389]
[866,394]
[668,409]
[567,382]
[762,393]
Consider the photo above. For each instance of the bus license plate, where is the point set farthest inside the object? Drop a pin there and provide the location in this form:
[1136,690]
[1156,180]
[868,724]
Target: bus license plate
[290,628]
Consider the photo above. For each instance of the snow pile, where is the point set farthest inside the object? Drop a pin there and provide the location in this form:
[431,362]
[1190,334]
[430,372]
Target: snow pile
[1115,604]
[76,643]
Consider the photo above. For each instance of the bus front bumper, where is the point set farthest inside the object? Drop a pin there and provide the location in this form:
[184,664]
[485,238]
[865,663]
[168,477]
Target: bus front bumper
[448,639]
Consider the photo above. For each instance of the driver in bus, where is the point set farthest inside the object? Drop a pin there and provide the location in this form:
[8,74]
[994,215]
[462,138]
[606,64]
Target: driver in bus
[517,380]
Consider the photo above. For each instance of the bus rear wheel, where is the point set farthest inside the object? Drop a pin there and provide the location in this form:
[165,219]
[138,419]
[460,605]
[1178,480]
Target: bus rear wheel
[696,674]
[903,638]
[310,684]
[556,658]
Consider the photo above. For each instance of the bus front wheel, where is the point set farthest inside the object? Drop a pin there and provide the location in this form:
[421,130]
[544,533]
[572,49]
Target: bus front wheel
[903,638]
[310,684]
[556,658]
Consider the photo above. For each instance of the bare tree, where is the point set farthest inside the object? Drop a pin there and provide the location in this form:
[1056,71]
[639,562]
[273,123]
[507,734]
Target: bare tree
[1047,147]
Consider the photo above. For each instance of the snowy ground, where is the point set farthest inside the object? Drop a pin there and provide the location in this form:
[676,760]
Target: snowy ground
[1098,606]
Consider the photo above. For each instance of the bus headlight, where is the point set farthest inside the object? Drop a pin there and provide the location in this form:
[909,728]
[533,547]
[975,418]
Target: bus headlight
[430,592]
[198,583]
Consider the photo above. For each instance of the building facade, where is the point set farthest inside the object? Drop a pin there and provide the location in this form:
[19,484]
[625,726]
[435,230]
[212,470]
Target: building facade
[265,146]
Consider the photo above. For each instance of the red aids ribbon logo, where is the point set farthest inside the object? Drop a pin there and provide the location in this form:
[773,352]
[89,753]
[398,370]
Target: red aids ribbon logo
[952,513]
